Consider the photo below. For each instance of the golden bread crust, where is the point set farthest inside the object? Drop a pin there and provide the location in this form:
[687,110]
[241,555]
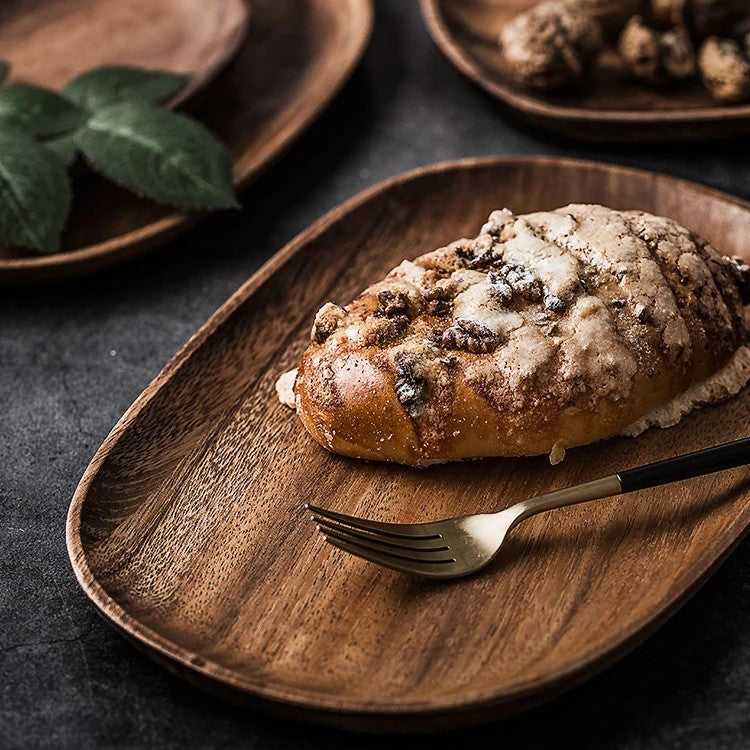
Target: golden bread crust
[554,327]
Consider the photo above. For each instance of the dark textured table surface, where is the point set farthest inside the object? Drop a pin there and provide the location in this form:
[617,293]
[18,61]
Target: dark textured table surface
[74,356]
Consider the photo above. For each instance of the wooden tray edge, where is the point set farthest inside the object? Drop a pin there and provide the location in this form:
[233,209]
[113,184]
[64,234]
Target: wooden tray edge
[530,106]
[94,257]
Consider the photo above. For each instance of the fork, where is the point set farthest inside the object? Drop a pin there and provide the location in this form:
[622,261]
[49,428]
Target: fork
[458,546]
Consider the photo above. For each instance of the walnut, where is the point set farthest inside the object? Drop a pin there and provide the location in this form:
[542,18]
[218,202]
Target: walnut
[439,307]
[500,226]
[501,290]
[326,322]
[611,14]
[520,280]
[725,70]
[656,57]
[479,253]
[554,303]
[392,304]
[549,45]
[379,330]
[702,17]
[470,336]
[490,227]
[439,300]
[410,386]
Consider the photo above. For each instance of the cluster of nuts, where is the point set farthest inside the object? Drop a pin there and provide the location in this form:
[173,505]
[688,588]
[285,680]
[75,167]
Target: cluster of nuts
[410,384]
[470,336]
[555,42]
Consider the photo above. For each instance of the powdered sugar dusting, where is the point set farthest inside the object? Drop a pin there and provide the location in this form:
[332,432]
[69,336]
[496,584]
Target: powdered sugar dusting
[285,388]
[727,382]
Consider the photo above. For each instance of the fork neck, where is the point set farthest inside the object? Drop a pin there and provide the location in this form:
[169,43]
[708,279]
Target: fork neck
[580,493]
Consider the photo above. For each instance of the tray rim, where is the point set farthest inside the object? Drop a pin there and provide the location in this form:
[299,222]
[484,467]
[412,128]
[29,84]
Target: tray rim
[529,104]
[233,43]
[135,242]
[473,707]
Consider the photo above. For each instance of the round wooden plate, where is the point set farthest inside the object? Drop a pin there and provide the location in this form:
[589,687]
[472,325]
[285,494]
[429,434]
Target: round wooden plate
[50,43]
[188,531]
[297,55]
[609,106]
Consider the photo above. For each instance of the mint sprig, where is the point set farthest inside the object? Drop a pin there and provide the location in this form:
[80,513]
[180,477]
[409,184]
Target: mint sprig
[34,193]
[112,84]
[107,114]
[158,154]
[39,111]
[64,146]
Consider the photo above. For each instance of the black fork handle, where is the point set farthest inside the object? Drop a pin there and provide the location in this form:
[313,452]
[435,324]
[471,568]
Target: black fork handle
[708,461]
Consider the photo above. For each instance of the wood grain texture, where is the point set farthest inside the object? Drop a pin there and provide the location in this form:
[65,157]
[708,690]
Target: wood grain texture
[608,106]
[187,530]
[50,42]
[297,55]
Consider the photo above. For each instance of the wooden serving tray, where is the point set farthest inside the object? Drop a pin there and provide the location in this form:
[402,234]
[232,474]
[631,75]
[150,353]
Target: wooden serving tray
[297,56]
[188,532]
[608,106]
[50,43]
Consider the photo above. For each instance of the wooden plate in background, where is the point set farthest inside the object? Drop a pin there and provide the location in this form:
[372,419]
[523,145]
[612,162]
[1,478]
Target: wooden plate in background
[608,106]
[188,533]
[49,43]
[297,55]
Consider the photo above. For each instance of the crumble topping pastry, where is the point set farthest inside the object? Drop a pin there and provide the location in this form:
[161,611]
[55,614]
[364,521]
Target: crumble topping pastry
[553,328]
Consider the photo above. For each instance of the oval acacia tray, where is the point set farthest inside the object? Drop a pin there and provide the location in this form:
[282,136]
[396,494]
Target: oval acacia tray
[188,533]
[608,106]
[297,55]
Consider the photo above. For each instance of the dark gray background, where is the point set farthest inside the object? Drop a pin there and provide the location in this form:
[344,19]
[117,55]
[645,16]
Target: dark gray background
[74,356]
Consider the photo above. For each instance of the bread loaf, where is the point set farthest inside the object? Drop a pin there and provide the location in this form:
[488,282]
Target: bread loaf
[551,329]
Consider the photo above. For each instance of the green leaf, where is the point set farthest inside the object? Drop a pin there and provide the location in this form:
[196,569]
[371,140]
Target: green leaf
[40,111]
[12,126]
[64,146]
[4,70]
[34,194]
[159,154]
[112,84]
